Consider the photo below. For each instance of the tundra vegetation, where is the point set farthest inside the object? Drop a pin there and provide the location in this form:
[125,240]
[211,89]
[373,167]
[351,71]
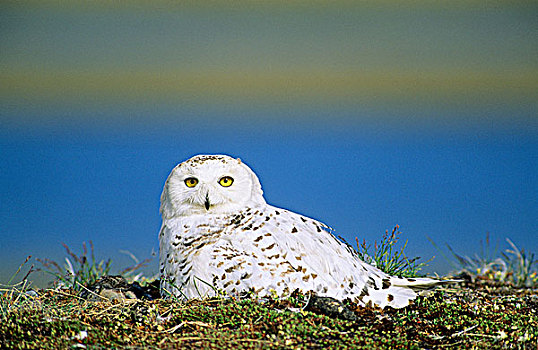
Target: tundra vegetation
[495,306]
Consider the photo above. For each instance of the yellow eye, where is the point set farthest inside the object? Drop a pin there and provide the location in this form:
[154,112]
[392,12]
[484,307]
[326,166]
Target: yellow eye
[191,181]
[226,181]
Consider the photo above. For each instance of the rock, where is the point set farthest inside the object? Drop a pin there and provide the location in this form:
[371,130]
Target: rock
[117,288]
[330,307]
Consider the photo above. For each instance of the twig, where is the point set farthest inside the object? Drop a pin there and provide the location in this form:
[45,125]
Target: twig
[196,323]
[67,295]
[464,331]
[19,270]
[483,335]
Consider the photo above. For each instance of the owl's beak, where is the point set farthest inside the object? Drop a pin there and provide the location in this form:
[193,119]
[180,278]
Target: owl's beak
[207,204]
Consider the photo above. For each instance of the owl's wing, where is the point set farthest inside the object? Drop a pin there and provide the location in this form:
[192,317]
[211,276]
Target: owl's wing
[314,248]
[275,249]
[286,251]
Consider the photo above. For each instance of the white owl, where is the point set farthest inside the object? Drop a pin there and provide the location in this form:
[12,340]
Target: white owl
[219,233]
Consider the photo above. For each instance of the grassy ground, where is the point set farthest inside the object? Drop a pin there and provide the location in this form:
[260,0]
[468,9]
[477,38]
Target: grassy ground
[496,306]
[481,314]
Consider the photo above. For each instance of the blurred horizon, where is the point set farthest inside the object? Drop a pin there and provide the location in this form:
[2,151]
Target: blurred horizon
[423,115]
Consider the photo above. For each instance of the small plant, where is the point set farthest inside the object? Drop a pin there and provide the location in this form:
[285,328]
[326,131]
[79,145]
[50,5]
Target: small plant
[512,266]
[485,264]
[386,258]
[520,266]
[130,273]
[78,269]
[84,269]
[16,295]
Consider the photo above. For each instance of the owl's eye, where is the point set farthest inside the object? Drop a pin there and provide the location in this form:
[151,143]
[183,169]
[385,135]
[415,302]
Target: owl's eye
[191,181]
[226,181]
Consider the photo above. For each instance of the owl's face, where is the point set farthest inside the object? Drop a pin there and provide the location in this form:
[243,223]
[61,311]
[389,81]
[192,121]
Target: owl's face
[210,184]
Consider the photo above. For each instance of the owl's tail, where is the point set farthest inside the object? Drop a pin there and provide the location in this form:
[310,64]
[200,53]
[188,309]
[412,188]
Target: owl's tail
[399,292]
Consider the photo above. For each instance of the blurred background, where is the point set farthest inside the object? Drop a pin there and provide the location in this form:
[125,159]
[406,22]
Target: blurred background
[364,115]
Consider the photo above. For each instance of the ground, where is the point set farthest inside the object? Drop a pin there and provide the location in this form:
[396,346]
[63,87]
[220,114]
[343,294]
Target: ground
[478,314]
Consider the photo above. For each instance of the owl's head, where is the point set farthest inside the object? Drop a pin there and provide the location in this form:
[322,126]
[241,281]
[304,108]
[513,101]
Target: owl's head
[210,184]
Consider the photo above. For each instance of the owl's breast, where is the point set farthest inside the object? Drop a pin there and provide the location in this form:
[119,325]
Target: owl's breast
[187,248]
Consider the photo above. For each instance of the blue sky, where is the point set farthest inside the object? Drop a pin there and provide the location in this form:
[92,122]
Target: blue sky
[363,117]
[104,186]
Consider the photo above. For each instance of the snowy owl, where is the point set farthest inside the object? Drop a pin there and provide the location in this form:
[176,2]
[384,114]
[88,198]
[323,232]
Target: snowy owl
[218,233]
